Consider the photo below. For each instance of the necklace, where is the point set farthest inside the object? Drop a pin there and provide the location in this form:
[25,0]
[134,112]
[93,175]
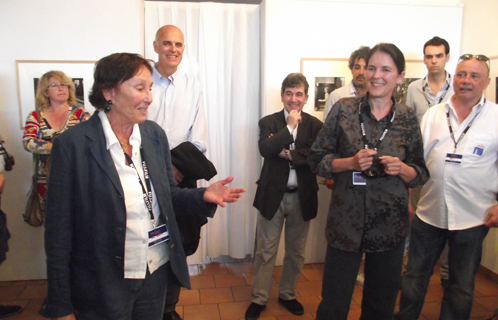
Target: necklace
[124,145]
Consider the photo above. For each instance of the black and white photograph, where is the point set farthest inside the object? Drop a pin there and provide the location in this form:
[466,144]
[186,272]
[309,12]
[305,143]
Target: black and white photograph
[402,89]
[323,88]
[496,89]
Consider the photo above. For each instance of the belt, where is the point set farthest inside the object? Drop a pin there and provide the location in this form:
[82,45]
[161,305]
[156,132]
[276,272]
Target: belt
[291,190]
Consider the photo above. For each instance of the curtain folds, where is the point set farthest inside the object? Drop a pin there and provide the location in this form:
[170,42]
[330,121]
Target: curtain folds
[223,52]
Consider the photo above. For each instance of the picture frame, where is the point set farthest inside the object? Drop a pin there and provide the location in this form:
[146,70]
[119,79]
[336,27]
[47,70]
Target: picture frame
[29,71]
[491,91]
[321,72]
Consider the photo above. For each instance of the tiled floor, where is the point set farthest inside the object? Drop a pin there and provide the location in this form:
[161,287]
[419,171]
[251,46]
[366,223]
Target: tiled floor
[222,291]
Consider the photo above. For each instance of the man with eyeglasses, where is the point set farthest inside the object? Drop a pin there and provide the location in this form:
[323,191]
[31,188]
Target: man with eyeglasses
[458,204]
[177,107]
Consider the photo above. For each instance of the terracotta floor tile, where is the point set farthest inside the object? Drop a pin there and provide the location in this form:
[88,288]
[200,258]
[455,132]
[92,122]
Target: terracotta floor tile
[490,303]
[10,292]
[318,265]
[216,295]
[201,282]
[229,280]
[310,304]
[434,293]
[431,310]
[241,293]
[305,316]
[240,267]
[309,288]
[33,292]
[201,312]
[354,314]
[312,274]
[30,282]
[212,269]
[189,297]
[487,288]
[478,310]
[233,310]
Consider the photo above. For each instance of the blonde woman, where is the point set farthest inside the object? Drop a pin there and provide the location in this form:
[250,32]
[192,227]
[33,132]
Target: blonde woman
[56,111]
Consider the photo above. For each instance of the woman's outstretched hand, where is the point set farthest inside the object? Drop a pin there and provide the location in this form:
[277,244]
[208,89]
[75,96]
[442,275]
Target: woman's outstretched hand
[220,194]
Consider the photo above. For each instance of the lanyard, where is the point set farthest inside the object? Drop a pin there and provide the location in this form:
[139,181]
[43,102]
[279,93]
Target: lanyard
[146,190]
[464,131]
[442,96]
[384,133]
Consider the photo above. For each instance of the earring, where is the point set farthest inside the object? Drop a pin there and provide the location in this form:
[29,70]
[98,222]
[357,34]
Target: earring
[108,107]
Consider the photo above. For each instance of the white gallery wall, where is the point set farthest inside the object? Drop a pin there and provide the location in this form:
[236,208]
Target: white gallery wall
[91,29]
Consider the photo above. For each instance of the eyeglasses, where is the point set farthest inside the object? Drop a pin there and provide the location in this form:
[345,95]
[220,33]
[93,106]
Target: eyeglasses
[58,86]
[479,57]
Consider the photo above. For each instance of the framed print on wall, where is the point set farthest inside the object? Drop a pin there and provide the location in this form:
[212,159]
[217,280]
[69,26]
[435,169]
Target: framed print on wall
[327,74]
[323,75]
[491,91]
[30,71]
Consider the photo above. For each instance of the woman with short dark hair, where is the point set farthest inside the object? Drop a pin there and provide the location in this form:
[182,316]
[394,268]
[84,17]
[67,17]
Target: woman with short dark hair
[111,235]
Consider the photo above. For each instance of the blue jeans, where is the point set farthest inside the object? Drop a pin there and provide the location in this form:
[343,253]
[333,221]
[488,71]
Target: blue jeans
[382,281]
[464,257]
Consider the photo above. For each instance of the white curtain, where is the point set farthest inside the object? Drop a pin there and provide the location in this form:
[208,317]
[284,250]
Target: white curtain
[223,52]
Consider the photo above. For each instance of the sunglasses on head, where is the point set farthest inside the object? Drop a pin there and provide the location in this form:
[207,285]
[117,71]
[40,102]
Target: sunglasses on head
[479,57]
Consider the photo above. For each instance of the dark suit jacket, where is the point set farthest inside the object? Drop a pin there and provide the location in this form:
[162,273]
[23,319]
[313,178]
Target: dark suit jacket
[85,223]
[275,172]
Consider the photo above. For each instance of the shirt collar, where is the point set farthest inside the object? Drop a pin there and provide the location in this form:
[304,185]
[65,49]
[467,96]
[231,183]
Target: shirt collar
[110,136]
[425,83]
[352,89]
[365,107]
[157,77]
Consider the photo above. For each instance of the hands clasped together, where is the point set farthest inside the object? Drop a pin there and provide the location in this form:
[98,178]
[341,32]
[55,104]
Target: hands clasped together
[365,158]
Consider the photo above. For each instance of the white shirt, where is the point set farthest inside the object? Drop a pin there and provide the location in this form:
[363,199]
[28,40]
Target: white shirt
[177,107]
[419,101]
[338,94]
[292,181]
[458,196]
[137,254]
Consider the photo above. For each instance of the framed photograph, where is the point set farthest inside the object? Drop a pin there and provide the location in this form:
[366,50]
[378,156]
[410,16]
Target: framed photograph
[327,74]
[30,71]
[415,69]
[323,75]
[491,91]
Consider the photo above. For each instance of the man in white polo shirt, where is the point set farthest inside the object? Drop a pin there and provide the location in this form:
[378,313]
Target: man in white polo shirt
[458,204]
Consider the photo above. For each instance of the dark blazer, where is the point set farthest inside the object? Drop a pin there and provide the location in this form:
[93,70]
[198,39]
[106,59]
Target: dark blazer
[85,225]
[275,172]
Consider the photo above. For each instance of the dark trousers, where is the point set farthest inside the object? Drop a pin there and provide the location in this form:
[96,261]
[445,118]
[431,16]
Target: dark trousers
[172,294]
[134,299]
[382,283]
